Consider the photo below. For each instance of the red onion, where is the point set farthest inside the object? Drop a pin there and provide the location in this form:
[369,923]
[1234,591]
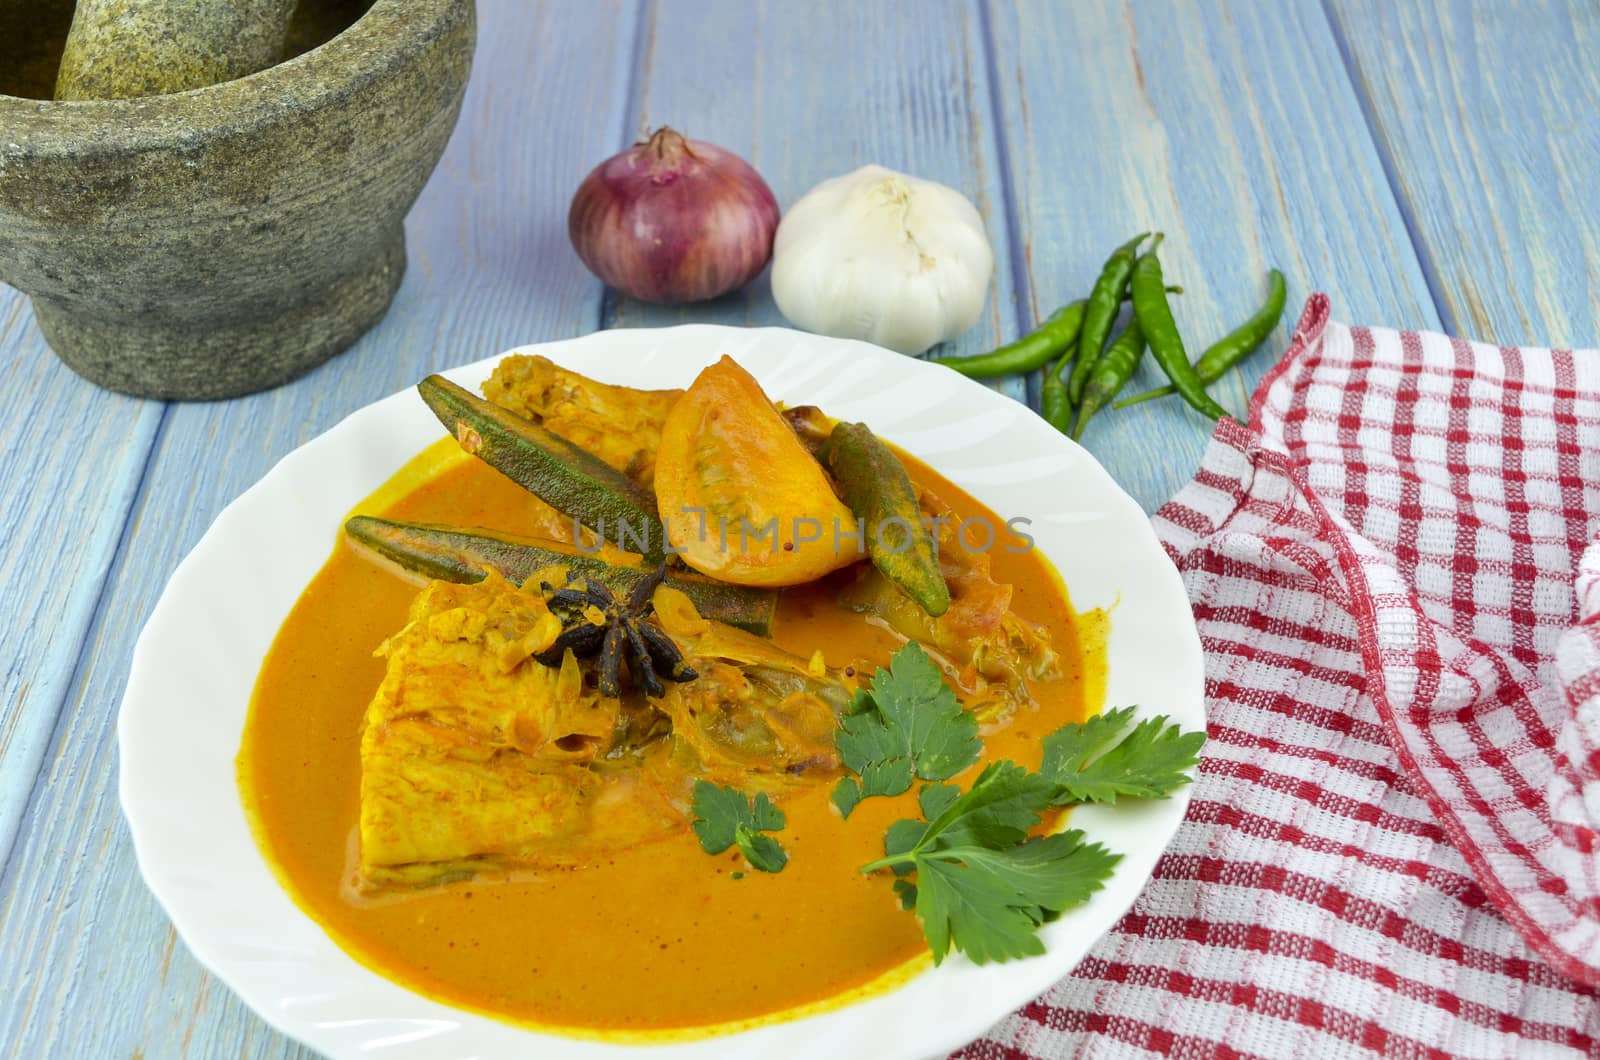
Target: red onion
[674,220]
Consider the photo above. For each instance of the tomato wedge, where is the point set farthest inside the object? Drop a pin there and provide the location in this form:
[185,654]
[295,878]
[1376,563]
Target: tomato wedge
[742,499]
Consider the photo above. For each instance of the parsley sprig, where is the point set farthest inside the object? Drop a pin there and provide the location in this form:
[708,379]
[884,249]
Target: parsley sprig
[724,817]
[1100,759]
[983,883]
[978,877]
[908,725]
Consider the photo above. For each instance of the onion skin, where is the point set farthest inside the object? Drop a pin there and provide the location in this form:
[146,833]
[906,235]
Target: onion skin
[672,220]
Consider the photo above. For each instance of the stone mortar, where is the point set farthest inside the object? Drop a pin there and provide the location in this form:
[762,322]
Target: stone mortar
[122,48]
[227,239]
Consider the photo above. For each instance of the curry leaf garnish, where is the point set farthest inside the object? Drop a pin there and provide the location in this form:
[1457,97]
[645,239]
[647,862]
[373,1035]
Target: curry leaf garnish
[1100,759]
[724,817]
[909,725]
[983,885]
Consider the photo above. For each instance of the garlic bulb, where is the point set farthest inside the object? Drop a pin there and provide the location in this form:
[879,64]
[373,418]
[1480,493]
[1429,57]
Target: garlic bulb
[882,256]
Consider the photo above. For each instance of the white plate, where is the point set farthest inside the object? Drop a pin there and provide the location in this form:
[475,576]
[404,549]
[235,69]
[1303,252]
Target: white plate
[196,664]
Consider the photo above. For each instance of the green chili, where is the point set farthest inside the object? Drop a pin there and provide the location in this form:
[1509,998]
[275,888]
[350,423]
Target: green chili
[1111,373]
[1154,315]
[1054,405]
[1233,347]
[1034,350]
[1104,301]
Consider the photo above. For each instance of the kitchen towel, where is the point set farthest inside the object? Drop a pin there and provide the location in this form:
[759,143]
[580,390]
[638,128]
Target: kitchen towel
[1391,848]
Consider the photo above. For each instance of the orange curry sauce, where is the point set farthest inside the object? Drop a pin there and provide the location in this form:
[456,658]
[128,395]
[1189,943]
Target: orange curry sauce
[661,941]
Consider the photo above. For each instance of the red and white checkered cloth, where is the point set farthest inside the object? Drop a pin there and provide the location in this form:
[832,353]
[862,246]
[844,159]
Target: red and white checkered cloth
[1392,844]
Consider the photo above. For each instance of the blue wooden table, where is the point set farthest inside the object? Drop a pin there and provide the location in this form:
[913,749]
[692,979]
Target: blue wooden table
[1431,165]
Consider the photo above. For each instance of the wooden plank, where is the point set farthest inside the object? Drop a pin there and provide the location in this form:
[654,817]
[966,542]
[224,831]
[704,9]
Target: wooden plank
[806,95]
[1486,112]
[1232,128]
[92,968]
[71,456]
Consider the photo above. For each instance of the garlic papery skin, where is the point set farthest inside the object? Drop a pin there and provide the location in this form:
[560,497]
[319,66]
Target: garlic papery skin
[885,257]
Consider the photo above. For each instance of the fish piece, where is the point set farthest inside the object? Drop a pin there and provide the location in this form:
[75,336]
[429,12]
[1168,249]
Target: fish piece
[478,759]
[621,425]
[471,753]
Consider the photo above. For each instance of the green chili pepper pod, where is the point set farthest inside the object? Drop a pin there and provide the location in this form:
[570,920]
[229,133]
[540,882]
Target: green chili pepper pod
[1233,347]
[1116,367]
[880,493]
[1034,350]
[1154,315]
[569,478]
[456,554]
[1104,301]
[1241,341]
[1054,404]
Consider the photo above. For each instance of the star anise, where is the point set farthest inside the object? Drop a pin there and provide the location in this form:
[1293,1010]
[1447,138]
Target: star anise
[594,623]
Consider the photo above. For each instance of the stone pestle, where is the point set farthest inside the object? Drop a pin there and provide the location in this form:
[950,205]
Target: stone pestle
[120,49]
